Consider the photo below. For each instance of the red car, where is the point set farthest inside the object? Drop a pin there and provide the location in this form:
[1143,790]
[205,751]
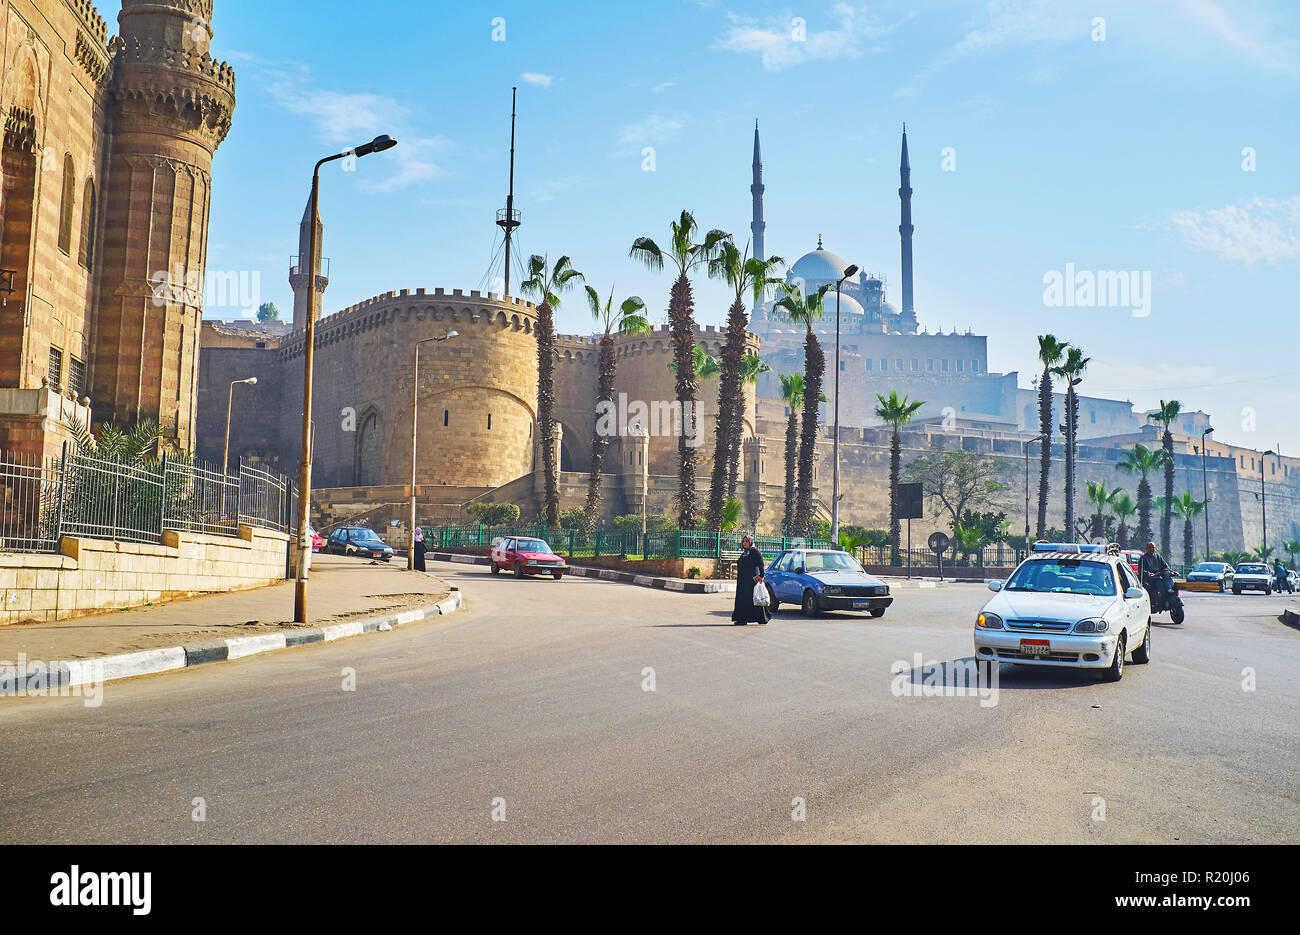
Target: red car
[317,540]
[526,557]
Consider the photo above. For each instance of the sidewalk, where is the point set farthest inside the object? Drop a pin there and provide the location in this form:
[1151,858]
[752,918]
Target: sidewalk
[341,589]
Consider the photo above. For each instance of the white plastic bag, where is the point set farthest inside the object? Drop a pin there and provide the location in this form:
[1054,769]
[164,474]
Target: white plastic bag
[761,597]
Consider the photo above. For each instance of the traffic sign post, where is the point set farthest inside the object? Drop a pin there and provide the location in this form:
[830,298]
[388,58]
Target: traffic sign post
[910,507]
[938,543]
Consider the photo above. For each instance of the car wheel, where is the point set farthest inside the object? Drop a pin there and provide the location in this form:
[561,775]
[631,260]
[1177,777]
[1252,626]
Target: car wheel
[557,575]
[809,604]
[1236,591]
[1115,671]
[773,603]
[496,569]
[519,570]
[1268,591]
[1142,655]
[1221,588]
[878,612]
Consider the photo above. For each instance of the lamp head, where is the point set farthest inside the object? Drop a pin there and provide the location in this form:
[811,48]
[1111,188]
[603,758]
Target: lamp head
[851,271]
[251,381]
[377,145]
[451,334]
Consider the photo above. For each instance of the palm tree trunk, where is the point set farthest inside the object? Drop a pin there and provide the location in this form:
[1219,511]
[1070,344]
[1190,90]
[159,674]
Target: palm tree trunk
[545,332]
[1122,535]
[1144,512]
[729,388]
[1187,542]
[599,442]
[1070,428]
[1167,442]
[1098,526]
[1045,453]
[895,472]
[681,319]
[791,462]
[814,368]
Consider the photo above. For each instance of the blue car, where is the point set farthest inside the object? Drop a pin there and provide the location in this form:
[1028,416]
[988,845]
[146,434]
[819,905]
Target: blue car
[820,579]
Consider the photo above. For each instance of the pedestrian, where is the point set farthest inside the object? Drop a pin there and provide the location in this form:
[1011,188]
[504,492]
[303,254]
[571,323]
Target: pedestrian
[749,571]
[1283,579]
[419,549]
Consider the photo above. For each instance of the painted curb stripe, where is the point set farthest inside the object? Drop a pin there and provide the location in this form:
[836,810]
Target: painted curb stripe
[304,637]
[199,653]
[242,646]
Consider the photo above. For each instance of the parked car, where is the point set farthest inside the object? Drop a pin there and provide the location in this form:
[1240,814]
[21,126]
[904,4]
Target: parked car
[1067,604]
[822,579]
[1132,557]
[317,540]
[1252,576]
[525,556]
[360,541]
[1210,576]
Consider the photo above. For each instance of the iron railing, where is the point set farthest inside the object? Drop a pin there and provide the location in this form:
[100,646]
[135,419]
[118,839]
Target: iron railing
[81,494]
[992,556]
[576,544]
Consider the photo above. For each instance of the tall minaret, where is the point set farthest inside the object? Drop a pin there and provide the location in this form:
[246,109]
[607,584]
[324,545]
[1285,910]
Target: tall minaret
[905,228]
[298,274]
[757,226]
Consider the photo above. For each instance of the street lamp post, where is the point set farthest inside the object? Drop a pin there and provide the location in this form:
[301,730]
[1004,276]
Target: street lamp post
[835,485]
[415,414]
[1263,507]
[378,144]
[225,457]
[1037,438]
[1205,490]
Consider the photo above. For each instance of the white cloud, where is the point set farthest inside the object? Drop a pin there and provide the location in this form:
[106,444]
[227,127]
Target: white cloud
[663,86]
[1256,230]
[1211,17]
[774,40]
[653,129]
[542,81]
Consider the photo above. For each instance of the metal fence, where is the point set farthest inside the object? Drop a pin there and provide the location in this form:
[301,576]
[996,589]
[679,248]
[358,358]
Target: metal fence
[574,543]
[993,556]
[79,494]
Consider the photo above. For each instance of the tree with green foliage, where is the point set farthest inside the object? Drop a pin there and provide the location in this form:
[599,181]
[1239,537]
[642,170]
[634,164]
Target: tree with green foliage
[268,312]
[1142,461]
[1167,415]
[494,514]
[896,413]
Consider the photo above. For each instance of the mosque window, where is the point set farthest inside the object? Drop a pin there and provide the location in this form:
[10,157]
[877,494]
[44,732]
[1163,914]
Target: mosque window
[929,365]
[916,364]
[944,366]
[842,364]
[489,421]
[446,415]
[869,363]
[898,364]
[960,365]
[86,252]
[65,208]
[56,366]
[1092,414]
[884,365]
[974,366]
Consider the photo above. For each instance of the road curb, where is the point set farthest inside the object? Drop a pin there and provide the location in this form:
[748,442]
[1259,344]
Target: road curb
[1290,618]
[611,574]
[99,669]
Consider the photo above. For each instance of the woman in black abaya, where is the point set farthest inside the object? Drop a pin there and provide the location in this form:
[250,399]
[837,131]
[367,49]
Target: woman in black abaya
[749,571]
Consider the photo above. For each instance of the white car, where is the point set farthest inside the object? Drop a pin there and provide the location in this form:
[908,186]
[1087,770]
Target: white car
[1071,605]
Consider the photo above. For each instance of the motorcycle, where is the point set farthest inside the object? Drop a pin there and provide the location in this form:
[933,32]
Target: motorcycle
[1164,597]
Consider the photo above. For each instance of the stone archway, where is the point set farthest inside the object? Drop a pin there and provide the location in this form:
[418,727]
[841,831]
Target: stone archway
[368,459]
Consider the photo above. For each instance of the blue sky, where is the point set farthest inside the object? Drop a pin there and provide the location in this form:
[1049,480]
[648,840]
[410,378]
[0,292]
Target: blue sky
[1110,151]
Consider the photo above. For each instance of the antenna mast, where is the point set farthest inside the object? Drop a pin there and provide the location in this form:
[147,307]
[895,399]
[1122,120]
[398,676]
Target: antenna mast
[508,219]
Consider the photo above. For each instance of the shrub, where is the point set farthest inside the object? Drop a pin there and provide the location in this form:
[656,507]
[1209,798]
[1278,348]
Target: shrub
[494,514]
[654,522]
[571,519]
[692,572]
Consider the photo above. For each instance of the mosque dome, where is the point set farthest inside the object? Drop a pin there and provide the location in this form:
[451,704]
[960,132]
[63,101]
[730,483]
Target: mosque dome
[848,305]
[818,267]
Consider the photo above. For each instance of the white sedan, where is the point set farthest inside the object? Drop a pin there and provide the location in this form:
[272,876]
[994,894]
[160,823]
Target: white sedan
[1067,605]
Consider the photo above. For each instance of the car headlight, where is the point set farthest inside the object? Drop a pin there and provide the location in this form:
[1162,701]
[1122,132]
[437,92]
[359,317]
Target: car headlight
[832,589]
[1091,626]
[989,621]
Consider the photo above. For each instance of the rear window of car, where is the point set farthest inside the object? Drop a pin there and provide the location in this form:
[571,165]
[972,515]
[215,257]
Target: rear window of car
[1252,570]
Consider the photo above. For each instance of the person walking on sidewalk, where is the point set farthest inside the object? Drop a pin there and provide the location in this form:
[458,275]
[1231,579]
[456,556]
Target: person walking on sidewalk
[419,549]
[749,571]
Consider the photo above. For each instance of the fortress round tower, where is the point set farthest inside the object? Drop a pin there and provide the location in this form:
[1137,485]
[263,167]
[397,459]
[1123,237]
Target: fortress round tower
[170,107]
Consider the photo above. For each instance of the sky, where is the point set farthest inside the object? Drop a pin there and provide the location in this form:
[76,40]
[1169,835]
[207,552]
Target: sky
[1154,139]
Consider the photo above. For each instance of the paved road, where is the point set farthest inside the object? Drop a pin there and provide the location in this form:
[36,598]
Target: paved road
[534,697]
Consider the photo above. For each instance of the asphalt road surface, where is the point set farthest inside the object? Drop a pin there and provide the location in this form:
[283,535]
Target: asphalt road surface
[587,711]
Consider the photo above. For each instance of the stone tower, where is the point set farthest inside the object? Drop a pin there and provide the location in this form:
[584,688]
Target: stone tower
[758,225]
[298,274]
[170,105]
[905,228]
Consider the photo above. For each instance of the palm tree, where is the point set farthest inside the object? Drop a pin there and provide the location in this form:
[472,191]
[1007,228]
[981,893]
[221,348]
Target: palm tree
[706,365]
[745,275]
[1101,498]
[547,285]
[1167,415]
[897,413]
[1122,506]
[804,310]
[685,254]
[752,370]
[1050,352]
[1142,461]
[1261,553]
[1291,548]
[629,318]
[1071,370]
[1187,508]
[792,395]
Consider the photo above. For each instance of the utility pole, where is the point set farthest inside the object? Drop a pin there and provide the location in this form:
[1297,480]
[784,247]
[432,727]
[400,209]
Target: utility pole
[508,219]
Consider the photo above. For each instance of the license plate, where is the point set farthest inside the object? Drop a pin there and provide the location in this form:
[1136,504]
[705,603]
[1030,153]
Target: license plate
[1035,647]
[861,605]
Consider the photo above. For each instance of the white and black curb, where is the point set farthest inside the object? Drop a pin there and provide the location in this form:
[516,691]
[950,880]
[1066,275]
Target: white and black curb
[152,661]
[610,574]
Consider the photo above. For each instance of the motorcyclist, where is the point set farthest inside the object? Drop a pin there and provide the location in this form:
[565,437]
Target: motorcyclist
[1153,568]
[1283,579]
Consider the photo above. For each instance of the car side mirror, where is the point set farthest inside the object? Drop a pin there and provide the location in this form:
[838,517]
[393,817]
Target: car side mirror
[1133,593]
[994,585]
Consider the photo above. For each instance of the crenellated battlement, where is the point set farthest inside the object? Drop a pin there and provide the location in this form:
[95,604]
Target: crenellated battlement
[88,18]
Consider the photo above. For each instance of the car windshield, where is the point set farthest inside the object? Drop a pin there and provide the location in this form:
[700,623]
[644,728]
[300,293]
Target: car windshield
[366,535]
[532,545]
[1063,576]
[1252,570]
[816,562]
[1208,566]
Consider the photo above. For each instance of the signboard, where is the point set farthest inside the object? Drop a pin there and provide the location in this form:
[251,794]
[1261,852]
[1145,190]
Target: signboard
[938,542]
[910,501]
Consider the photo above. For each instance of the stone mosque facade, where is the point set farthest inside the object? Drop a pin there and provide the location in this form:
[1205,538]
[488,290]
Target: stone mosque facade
[105,188]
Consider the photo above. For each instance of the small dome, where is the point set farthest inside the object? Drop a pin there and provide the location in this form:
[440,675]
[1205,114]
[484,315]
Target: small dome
[848,305]
[819,266]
